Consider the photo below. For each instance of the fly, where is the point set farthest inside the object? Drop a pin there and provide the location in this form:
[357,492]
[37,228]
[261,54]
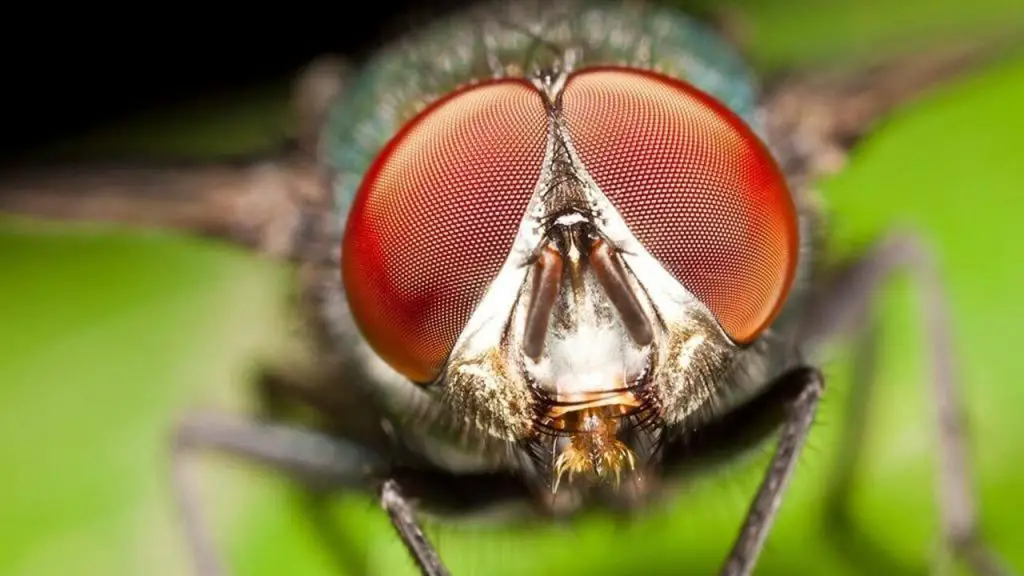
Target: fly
[553,252]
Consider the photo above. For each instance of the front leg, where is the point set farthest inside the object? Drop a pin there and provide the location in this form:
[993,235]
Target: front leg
[314,458]
[790,401]
[800,413]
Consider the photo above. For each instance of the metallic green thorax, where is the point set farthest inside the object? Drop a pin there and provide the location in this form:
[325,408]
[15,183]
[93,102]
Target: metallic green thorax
[519,39]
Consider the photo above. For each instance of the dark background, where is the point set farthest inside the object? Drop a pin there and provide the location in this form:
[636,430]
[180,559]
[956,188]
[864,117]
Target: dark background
[63,72]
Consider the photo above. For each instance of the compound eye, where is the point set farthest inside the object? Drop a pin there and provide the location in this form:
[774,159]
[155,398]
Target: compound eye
[694,184]
[435,217]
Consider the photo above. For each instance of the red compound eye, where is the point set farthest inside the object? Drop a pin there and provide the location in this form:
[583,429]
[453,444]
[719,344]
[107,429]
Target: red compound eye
[696,187]
[435,218]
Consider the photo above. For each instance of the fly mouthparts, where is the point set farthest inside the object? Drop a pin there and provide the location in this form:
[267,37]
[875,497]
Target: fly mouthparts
[593,449]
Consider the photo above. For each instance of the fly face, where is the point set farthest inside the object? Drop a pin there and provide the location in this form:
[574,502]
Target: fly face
[571,260]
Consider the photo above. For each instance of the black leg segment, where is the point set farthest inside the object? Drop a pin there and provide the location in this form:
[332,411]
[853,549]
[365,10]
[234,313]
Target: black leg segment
[761,515]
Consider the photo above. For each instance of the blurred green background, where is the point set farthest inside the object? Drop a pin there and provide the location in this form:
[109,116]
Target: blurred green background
[106,336]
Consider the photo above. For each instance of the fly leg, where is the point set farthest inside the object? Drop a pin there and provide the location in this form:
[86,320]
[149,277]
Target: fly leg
[280,394]
[283,396]
[314,458]
[842,307]
[797,392]
[408,528]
